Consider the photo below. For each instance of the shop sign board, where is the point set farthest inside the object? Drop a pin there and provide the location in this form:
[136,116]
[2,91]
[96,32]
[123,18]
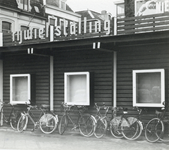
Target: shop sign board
[64,29]
[149,7]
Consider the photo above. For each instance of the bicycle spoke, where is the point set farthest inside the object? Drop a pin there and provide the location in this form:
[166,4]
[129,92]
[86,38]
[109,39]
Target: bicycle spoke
[48,123]
[22,123]
[115,128]
[86,125]
[63,124]
[101,128]
[154,130]
[130,128]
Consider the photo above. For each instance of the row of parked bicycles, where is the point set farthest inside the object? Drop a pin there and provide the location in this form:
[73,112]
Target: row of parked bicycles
[120,126]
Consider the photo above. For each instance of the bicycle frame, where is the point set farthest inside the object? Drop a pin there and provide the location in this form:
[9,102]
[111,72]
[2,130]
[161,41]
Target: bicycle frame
[99,115]
[35,123]
[75,125]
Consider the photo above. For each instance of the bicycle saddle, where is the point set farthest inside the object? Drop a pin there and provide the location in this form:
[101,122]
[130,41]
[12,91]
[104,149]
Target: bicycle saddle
[45,106]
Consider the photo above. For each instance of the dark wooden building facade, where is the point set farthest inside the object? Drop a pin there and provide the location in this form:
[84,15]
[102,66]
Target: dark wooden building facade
[110,66]
[123,64]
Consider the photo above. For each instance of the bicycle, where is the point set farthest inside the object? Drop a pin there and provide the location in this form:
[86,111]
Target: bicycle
[85,122]
[47,121]
[115,128]
[101,121]
[13,118]
[155,128]
[124,126]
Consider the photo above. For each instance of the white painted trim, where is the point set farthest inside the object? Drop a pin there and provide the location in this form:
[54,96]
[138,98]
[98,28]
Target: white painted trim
[90,13]
[115,26]
[115,79]
[118,2]
[67,84]
[1,39]
[51,83]
[29,88]
[51,33]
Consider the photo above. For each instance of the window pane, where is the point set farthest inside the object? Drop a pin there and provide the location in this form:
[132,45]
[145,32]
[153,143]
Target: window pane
[20,89]
[52,21]
[6,27]
[120,10]
[77,88]
[24,4]
[63,5]
[148,87]
[24,28]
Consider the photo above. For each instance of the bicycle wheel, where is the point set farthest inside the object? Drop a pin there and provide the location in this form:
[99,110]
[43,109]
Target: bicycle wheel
[115,127]
[22,123]
[101,127]
[154,130]
[86,125]
[63,124]
[130,128]
[14,119]
[48,123]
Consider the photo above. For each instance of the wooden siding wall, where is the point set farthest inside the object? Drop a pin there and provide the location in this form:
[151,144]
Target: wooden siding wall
[98,63]
[135,58]
[22,63]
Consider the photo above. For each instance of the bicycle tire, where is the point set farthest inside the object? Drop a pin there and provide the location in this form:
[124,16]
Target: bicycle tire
[86,125]
[164,136]
[115,128]
[63,124]
[140,130]
[22,123]
[154,129]
[101,127]
[130,127]
[1,116]
[14,119]
[48,123]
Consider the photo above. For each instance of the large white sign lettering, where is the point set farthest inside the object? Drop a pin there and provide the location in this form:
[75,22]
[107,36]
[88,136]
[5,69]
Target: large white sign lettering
[64,28]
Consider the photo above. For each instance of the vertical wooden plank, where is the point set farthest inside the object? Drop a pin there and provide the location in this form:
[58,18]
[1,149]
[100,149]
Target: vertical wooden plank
[1,80]
[1,86]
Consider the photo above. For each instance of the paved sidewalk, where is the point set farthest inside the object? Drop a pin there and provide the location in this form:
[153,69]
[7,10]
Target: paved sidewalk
[12,140]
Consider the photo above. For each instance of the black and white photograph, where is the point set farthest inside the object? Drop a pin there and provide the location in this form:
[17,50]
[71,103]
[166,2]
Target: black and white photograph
[84,74]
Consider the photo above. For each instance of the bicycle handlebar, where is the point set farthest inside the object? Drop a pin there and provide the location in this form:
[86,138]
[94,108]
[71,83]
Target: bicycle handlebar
[102,107]
[68,107]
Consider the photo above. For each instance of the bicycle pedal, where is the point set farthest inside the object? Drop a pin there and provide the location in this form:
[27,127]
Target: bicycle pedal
[32,130]
[75,127]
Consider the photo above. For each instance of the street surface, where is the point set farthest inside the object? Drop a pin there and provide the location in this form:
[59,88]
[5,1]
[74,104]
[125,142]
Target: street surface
[12,140]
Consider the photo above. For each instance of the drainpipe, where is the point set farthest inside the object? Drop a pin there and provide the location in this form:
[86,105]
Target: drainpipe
[114,79]
[51,83]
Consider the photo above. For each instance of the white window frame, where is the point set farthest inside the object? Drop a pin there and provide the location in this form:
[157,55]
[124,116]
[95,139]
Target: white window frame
[11,88]
[161,104]
[54,18]
[66,88]
[21,6]
[64,4]
[7,20]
